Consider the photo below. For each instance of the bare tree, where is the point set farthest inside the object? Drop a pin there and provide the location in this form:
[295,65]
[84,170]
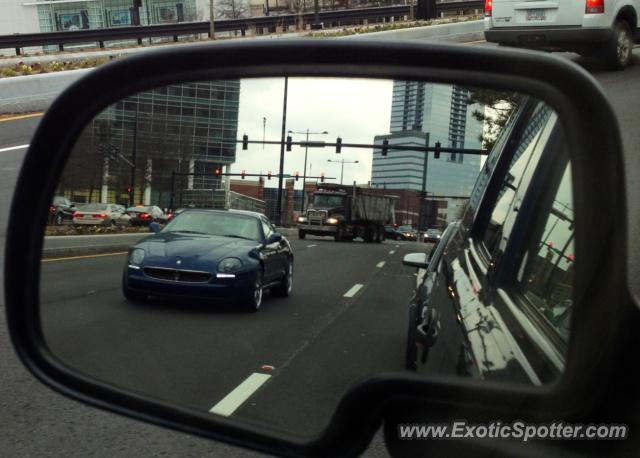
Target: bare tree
[232,9]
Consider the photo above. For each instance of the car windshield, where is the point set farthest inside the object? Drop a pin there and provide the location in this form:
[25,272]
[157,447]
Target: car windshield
[325,200]
[216,223]
[433,232]
[405,228]
[93,207]
[139,209]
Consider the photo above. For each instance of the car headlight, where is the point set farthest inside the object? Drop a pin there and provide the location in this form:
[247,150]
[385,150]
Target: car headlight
[229,265]
[302,219]
[136,256]
[332,220]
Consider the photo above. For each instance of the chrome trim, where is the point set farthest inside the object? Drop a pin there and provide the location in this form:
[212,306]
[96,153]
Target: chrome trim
[536,336]
[477,258]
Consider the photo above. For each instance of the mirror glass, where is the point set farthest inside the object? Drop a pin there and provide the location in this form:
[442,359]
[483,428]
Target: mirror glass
[236,246]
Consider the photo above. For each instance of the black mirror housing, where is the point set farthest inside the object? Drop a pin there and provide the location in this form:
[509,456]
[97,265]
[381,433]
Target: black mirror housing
[583,394]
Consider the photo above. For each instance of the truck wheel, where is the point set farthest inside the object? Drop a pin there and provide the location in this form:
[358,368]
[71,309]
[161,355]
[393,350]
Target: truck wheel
[618,51]
[302,235]
[379,234]
[338,235]
[368,234]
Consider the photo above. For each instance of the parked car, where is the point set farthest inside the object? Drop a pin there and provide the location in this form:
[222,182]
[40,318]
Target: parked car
[408,232]
[61,210]
[432,235]
[144,215]
[509,260]
[211,254]
[97,214]
[605,29]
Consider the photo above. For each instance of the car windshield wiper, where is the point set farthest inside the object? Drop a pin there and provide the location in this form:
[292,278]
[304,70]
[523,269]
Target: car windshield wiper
[190,232]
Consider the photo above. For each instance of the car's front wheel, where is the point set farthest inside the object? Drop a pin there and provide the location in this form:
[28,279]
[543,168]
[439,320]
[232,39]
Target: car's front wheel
[284,288]
[618,51]
[254,301]
[302,235]
[59,219]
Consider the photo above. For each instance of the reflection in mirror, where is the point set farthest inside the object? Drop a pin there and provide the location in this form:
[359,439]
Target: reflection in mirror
[236,246]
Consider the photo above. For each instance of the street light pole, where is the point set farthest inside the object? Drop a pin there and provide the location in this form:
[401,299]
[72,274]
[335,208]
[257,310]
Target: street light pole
[343,162]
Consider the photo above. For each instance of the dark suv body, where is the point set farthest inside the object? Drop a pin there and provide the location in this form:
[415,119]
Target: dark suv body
[495,299]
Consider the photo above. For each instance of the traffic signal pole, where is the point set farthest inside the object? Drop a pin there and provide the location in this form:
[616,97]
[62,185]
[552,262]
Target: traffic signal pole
[281,169]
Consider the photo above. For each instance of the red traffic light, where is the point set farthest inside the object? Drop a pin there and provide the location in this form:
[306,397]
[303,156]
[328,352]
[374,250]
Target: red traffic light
[269,175]
[297,175]
[242,175]
[217,172]
[129,189]
[322,177]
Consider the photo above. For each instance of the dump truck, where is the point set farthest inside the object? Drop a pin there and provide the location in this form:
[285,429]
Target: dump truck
[347,212]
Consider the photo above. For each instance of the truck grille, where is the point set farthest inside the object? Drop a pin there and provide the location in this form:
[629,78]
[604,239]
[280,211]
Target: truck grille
[317,217]
[177,275]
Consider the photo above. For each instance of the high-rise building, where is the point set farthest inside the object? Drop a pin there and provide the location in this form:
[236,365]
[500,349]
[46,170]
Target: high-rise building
[422,112]
[189,129]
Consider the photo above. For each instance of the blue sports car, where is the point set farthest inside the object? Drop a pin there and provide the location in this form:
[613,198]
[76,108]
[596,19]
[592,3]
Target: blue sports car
[226,255]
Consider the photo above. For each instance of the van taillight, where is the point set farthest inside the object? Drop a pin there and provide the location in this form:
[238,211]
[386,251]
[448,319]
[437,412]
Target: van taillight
[488,7]
[594,7]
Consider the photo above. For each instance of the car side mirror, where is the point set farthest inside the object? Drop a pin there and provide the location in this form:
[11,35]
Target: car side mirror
[273,238]
[155,227]
[322,367]
[418,260]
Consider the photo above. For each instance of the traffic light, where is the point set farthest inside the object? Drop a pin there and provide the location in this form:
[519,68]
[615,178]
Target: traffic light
[242,175]
[245,142]
[436,154]
[289,140]
[269,175]
[129,189]
[338,145]
[322,177]
[217,171]
[297,175]
[385,146]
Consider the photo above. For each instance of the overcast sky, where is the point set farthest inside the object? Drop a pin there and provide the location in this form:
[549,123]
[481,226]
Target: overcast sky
[354,109]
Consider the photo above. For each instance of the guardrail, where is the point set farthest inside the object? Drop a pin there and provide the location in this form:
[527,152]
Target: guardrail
[100,36]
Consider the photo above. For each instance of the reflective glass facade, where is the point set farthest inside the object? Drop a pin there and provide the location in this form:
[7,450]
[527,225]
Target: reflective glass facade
[441,111]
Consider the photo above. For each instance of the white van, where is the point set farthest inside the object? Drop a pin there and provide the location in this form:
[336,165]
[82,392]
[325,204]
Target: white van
[602,28]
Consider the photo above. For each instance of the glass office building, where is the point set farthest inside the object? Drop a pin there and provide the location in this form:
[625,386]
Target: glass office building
[442,113]
[186,128]
[94,14]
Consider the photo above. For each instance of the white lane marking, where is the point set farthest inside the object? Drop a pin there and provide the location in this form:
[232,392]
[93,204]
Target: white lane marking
[311,246]
[354,290]
[380,264]
[392,251]
[11,148]
[397,246]
[240,394]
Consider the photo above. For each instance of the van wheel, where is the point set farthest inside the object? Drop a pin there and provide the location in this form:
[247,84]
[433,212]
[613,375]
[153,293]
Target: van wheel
[618,51]
[302,235]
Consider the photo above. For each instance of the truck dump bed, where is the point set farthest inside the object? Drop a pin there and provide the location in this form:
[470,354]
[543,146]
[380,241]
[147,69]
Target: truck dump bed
[367,205]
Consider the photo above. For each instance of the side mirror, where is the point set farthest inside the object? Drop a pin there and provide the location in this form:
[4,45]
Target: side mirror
[155,227]
[273,238]
[418,260]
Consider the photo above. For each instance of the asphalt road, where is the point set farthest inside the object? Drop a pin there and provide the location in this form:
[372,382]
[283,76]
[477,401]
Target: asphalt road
[319,340]
[35,421]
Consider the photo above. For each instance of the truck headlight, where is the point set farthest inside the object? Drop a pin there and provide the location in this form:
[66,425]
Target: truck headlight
[136,256]
[302,219]
[229,265]
[332,220]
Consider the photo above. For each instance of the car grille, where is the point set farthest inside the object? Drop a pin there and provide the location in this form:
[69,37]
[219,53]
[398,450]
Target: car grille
[177,275]
[317,217]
